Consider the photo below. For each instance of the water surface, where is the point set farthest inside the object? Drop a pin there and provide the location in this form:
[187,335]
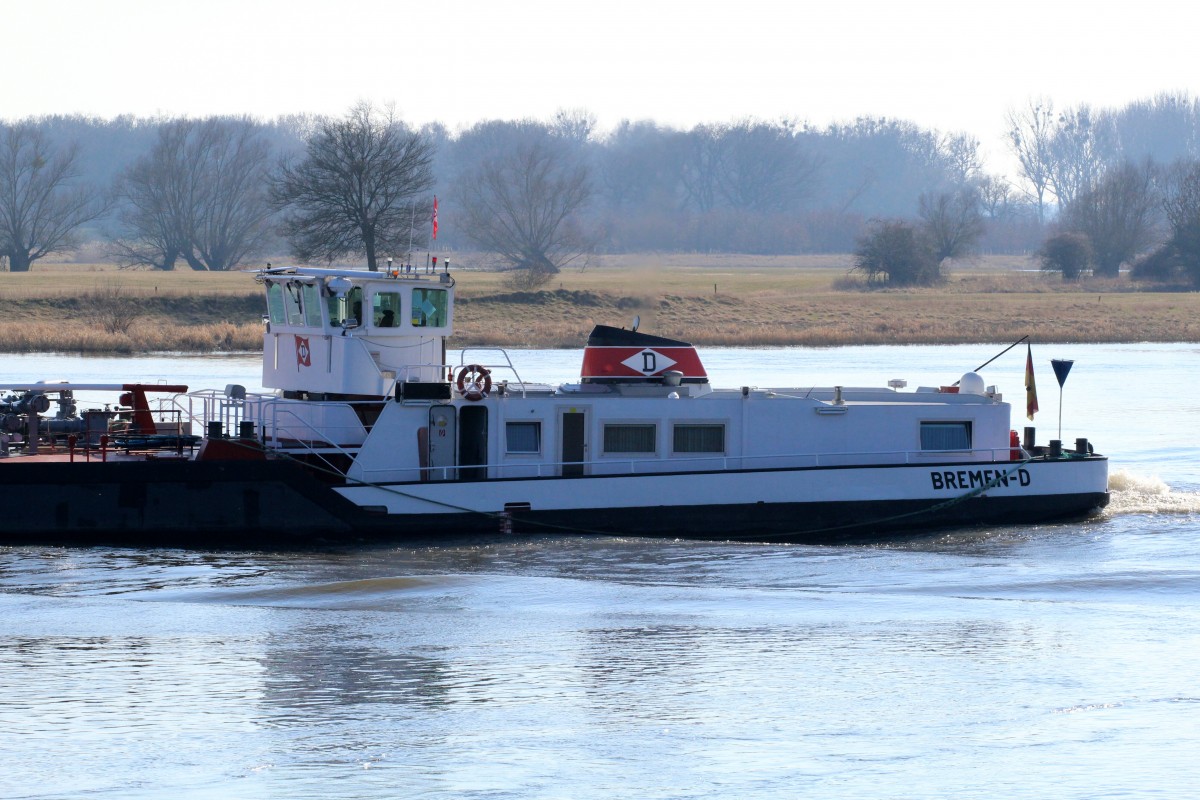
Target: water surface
[1019,662]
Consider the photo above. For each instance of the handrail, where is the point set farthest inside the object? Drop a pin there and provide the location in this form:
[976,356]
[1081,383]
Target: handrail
[279,409]
[613,467]
[462,362]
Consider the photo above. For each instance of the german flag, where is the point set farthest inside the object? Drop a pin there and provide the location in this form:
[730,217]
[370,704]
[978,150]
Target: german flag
[1031,403]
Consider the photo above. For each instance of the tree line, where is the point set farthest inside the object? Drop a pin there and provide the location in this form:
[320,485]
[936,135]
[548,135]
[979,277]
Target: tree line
[537,195]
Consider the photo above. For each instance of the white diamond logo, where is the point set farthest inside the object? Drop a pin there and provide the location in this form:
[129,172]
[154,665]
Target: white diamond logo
[648,362]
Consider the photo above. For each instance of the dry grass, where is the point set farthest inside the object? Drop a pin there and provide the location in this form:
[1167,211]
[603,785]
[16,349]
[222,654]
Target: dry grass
[69,280]
[710,300]
[927,317]
[144,336]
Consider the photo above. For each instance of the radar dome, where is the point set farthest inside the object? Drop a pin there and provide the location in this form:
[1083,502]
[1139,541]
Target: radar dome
[971,383]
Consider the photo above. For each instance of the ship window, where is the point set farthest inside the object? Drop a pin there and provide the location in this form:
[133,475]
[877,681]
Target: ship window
[690,438]
[429,308]
[523,437]
[629,438]
[293,306]
[312,305]
[275,305]
[346,307]
[386,309]
[945,435]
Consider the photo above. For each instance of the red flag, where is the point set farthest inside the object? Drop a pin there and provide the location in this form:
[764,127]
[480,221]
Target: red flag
[303,353]
[435,216]
[1031,404]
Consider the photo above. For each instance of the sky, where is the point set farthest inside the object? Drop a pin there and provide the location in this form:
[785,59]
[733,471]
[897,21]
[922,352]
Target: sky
[950,66]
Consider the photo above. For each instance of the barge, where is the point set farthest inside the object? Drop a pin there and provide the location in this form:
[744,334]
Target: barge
[367,434]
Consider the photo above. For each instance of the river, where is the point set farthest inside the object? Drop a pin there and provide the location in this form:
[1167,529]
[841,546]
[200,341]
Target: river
[1017,662]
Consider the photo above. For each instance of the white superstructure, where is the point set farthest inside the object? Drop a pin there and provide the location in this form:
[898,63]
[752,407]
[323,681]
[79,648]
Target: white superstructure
[358,360]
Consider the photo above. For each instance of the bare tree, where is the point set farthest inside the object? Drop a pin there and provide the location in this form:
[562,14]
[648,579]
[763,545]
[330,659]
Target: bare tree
[959,153]
[41,203]
[1180,255]
[229,160]
[522,202]
[763,167]
[574,124]
[358,188]
[150,192]
[1080,146]
[703,149]
[1119,216]
[1030,134]
[951,222]
[1165,127]
[639,169]
[199,195]
[995,196]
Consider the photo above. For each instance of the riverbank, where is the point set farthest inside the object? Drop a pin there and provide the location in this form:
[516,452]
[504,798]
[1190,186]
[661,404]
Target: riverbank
[709,300]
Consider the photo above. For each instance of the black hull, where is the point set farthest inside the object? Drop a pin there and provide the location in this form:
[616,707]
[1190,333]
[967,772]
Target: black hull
[276,504]
[814,523]
[173,504]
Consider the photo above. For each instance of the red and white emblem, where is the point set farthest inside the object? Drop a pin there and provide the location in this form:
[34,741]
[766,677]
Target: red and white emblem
[649,362]
[303,354]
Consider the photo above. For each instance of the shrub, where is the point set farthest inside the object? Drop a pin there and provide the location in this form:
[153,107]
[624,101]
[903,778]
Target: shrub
[1069,253]
[113,309]
[893,252]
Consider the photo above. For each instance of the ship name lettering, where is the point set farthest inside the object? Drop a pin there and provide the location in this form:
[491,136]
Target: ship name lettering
[978,478]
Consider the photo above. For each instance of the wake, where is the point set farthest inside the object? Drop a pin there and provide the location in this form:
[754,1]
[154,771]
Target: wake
[1146,494]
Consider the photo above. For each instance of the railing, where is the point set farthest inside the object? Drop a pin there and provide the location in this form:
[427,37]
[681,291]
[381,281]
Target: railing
[279,427]
[611,467]
[462,362]
[227,407]
[724,463]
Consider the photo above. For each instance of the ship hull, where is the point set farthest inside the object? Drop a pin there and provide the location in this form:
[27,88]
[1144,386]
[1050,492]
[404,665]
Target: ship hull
[276,503]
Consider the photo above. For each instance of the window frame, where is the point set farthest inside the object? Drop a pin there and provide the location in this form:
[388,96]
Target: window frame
[677,425]
[442,308]
[534,424]
[943,427]
[651,424]
[311,301]
[276,307]
[378,307]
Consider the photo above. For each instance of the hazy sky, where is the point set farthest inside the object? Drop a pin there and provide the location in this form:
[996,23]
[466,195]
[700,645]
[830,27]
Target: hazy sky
[955,66]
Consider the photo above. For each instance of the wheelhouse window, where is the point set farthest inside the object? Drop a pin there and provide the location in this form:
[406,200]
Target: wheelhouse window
[629,438]
[523,437]
[346,307]
[312,305]
[385,309]
[945,435]
[429,308]
[696,438]
[276,308]
[294,303]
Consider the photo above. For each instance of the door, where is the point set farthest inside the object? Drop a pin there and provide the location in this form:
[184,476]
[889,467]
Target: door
[472,443]
[574,441]
[443,443]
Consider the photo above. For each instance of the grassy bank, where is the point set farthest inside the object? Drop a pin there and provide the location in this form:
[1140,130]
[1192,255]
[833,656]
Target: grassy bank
[710,300]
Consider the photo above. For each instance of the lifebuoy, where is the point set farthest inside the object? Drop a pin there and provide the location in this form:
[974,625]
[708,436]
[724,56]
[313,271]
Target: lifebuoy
[474,382]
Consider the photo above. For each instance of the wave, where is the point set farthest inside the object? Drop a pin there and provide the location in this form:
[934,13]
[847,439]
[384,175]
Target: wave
[1131,493]
[335,594]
